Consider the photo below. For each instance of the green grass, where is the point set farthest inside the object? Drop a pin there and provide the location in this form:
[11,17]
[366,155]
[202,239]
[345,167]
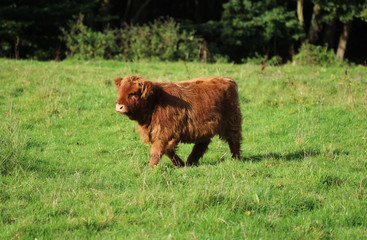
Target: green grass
[72,168]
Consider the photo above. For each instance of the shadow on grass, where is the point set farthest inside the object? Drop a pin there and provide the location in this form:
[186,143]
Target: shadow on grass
[293,156]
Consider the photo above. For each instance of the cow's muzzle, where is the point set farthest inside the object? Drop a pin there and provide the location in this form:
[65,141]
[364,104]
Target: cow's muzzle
[121,108]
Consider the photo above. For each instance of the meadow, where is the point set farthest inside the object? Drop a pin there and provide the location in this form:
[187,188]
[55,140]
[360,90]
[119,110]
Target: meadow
[73,168]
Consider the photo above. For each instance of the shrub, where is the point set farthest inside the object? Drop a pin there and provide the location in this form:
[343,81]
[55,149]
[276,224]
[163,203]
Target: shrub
[83,43]
[258,59]
[219,58]
[316,55]
[161,40]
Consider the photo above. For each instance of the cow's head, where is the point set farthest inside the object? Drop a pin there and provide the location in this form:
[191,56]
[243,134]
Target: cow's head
[134,92]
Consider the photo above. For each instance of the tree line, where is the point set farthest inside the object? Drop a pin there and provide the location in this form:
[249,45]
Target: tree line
[234,30]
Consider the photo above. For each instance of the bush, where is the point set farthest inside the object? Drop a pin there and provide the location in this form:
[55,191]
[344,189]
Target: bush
[160,40]
[258,59]
[316,55]
[83,43]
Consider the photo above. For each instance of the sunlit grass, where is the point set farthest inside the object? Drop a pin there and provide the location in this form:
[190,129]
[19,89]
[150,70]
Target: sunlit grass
[73,168]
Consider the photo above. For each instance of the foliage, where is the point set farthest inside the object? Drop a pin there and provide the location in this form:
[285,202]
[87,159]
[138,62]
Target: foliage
[233,29]
[83,172]
[162,40]
[30,29]
[218,58]
[345,11]
[9,35]
[255,25]
[316,55]
[259,59]
[83,43]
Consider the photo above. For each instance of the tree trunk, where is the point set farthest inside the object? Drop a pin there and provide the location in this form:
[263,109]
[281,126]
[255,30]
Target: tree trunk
[16,49]
[343,40]
[316,24]
[329,34]
[301,18]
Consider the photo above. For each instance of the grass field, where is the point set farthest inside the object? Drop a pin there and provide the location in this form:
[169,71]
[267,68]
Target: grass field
[73,168]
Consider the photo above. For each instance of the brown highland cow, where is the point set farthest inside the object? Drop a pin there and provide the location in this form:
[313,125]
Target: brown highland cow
[191,111]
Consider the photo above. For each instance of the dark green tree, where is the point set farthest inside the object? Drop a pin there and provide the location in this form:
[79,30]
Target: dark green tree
[267,27]
[327,14]
[31,28]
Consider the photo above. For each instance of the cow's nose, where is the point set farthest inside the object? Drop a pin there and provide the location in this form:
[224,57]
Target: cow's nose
[119,108]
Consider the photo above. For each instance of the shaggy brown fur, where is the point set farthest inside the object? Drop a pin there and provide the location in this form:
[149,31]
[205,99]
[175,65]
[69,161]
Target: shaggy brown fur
[190,112]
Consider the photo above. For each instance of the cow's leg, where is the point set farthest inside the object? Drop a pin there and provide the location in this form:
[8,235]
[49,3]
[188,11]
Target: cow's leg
[235,146]
[197,152]
[156,152]
[176,160]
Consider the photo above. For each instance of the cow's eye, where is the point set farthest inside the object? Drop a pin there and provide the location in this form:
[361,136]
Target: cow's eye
[134,94]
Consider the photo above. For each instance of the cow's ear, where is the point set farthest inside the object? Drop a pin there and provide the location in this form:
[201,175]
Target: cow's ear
[118,81]
[146,89]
